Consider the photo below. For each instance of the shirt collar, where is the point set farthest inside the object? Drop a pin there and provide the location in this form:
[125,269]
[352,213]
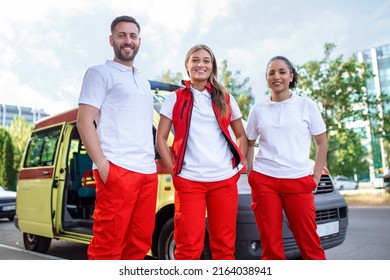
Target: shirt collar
[187,84]
[292,97]
[205,92]
[121,67]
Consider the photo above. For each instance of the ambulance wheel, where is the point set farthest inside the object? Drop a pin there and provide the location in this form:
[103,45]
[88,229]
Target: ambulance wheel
[166,243]
[36,243]
[206,254]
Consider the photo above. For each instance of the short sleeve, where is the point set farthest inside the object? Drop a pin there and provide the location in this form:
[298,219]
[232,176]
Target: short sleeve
[317,124]
[236,112]
[251,129]
[94,88]
[168,104]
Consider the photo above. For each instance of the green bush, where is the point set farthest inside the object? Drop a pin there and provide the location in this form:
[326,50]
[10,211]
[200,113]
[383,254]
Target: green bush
[6,159]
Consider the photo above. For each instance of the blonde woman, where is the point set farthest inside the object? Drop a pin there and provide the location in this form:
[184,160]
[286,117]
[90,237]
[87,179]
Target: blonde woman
[205,162]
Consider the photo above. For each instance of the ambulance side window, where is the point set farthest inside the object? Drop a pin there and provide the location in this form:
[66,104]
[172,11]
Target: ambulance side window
[42,147]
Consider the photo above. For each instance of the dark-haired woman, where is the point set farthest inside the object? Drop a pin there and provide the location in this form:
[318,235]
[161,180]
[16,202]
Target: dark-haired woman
[281,176]
[205,160]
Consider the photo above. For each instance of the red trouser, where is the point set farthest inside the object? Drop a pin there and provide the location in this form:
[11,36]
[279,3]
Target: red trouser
[124,215]
[191,200]
[269,197]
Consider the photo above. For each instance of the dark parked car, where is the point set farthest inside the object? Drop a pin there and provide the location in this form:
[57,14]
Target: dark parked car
[386,180]
[7,204]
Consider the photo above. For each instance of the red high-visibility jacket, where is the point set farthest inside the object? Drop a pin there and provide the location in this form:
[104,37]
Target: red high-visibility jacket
[181,118]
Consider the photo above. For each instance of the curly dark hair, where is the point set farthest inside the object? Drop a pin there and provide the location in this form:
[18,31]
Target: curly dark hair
[294,81]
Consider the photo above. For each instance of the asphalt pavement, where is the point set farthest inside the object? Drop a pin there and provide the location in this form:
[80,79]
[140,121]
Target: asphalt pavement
[12,253]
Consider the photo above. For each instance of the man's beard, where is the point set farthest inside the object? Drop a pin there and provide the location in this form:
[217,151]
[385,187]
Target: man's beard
[126,58]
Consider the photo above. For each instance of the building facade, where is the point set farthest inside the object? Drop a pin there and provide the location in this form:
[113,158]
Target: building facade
[377,88]
[8,112]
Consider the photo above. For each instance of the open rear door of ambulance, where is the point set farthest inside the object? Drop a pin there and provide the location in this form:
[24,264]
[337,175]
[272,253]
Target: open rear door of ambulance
[36,186]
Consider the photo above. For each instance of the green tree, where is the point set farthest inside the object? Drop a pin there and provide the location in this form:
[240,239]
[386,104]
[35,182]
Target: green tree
[339,88]
[171,78]
[384,129]
[6,159]
[347,155]
[239,89]
[379,117]
[20,132]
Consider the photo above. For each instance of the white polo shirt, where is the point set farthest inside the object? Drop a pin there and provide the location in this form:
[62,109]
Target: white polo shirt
[285,132]
[207,157]
[125,119]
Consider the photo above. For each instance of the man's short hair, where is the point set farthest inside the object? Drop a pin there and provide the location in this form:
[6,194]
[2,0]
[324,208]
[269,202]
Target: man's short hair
[126,19]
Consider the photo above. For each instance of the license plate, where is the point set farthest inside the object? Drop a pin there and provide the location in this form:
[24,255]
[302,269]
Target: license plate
[9,208]
[328,228]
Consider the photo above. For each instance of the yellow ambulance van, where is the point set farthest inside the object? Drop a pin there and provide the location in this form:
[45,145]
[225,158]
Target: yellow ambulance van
[56,194]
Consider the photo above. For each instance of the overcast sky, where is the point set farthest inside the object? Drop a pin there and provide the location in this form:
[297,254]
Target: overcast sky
[46,45]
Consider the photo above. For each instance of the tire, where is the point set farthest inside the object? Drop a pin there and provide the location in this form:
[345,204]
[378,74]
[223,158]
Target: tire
[36,243]
[206,254]
[11,218]
[167,244]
